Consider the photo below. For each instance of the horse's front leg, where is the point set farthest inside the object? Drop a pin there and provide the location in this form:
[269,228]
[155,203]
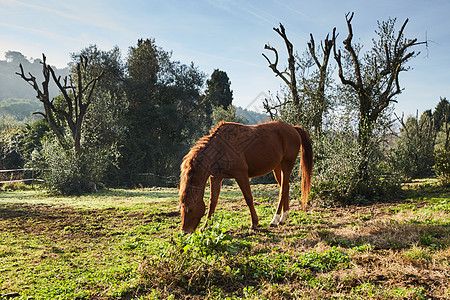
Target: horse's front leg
[216,184]
[244,184]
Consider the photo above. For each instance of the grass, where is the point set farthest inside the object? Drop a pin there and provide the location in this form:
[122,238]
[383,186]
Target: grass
[125,244]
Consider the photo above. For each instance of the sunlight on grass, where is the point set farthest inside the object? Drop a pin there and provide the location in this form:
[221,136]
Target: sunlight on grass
[126,244]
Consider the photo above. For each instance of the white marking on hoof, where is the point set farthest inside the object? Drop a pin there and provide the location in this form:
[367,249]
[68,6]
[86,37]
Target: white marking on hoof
[275,221]
[284,217]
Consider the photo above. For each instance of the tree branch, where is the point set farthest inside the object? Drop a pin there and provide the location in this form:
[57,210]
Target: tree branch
[291,81]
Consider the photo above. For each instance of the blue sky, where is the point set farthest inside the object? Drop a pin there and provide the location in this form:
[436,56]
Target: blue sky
[230,35]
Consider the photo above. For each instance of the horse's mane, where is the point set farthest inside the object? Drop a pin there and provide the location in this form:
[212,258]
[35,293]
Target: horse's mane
[191,159]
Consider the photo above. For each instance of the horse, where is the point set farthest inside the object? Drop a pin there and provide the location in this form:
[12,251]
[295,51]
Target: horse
[233,150]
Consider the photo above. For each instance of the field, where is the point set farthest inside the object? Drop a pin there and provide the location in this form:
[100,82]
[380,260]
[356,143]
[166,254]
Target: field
[125,244]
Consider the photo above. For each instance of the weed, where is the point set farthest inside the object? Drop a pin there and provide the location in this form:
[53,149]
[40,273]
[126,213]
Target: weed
[418,254]
[324,262]
[205,242]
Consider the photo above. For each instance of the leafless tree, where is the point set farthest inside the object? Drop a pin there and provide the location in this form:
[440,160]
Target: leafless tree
[317,97]
[322,66]
[287,77]
[77,96]
[374,77]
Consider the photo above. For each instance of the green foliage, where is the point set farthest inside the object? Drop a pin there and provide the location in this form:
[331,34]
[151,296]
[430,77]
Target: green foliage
[218,92]
[441,114]
[412,155]
[229,114]
[21,109]
[165,114]
[325,261]
[10,157]
[253,117]
[205,242]
[63,171]
[338,162]
[442,165]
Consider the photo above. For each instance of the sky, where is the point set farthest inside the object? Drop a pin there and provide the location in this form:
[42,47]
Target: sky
[230,36]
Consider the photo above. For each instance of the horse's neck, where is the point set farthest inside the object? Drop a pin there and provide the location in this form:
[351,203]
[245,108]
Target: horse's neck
[199,176]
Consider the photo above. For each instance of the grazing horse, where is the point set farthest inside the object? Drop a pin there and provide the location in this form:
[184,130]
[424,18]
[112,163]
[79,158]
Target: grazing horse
[239,151]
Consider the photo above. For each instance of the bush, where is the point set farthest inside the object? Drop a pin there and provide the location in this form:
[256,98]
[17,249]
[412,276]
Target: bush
[338,161]
[63,171]
[336,164]
[60,169]
[442,165]
[412,154]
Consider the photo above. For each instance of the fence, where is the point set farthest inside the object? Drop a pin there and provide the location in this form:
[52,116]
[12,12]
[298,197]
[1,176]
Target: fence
[12,180]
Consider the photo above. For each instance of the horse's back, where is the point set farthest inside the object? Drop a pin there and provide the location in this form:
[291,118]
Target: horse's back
[274,143]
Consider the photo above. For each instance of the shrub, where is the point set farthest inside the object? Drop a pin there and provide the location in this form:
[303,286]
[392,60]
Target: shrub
[65,172]
[205,242]
[336,161]
[339,163]
[442,165]
[60,169]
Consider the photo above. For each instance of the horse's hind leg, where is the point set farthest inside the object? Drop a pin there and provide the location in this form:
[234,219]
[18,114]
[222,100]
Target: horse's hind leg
[282,175]
[286,176]
[244,184]
[216,184]
[276,218]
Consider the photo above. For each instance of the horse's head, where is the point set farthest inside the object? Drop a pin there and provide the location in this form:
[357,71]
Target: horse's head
[192,208]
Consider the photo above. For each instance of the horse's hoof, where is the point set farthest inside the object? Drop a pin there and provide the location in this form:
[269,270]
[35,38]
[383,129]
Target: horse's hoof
[254,228]
[273,225]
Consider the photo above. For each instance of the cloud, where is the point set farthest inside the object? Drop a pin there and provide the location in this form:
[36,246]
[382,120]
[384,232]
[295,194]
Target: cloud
[33,31]
[76,12]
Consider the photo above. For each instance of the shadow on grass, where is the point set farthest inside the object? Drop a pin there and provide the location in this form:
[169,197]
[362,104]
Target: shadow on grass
[141,193]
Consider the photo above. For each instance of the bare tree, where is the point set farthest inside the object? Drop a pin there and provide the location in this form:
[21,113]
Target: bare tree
[77,95]
[320,96]
[314,95]
[287,77]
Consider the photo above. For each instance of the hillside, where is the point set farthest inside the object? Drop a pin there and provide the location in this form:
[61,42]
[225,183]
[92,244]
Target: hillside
[19,108]
[251,116]
[14,87]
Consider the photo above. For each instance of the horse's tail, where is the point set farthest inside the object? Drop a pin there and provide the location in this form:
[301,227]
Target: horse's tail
[306,162]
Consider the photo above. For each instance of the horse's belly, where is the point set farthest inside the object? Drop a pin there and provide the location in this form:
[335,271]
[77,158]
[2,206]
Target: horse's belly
[264,162]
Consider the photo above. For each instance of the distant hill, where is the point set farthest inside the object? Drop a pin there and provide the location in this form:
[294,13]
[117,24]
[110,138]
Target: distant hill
[20,108]
[251,116]
[14,87]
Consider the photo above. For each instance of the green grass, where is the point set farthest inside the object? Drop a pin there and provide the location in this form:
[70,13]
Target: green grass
[126,244]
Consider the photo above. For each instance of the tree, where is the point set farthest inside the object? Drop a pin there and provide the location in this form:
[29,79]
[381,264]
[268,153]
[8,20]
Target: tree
[218,91]
[82,120]
[165,114]
[374,78]
[15,87]
[441,120]
[77,96]
[229,115]
[287,77]
[15,56]
[307,102]
[412,155]
[318,95]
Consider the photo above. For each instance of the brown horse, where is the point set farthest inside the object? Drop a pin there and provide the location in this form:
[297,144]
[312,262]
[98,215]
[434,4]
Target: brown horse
[241,151]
